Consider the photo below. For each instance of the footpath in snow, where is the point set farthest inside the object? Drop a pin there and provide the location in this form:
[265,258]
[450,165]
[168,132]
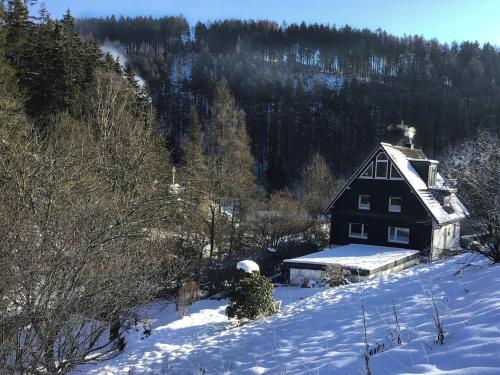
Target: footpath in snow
[320,331]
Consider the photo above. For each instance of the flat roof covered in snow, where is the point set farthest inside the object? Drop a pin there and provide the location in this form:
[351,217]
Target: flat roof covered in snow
[356,256]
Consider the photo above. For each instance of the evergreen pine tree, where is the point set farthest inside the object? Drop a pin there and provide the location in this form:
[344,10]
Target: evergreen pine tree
[194,154]
[130,76]
[112,64]
[230,163]
[251,297]
[11,111]
[18,26]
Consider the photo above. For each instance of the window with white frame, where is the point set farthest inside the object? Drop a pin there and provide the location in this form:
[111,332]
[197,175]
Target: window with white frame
[395,204]
[398,235]
[395,175]
[357,230]
[364,202]
[382,166]
[368,172]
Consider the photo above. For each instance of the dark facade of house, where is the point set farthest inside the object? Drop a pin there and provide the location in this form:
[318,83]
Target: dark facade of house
[397,199]
[378,218]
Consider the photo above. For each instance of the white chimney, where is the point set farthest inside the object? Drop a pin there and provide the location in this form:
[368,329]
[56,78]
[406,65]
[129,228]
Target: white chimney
[409,131]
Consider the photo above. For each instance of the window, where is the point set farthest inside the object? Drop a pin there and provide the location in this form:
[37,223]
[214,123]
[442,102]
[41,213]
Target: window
[395,175]
[364,202]
[357,230]
[432,175]
[381,166]
[395,204]
[368,173]
[398,235]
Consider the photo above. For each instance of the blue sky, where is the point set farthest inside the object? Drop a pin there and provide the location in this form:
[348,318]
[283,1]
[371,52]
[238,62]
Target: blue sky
[446,20]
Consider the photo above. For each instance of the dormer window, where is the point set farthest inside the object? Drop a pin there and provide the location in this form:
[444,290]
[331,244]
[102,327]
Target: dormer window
[382,166]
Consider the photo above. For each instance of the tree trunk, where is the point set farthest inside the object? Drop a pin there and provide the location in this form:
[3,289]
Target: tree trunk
[231,241]
[114,328]
[212,231]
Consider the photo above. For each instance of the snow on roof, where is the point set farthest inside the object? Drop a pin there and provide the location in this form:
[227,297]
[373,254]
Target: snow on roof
[363,257]
[402,162]
[248,266]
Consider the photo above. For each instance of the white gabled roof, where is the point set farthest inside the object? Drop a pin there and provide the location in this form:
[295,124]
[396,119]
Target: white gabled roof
[420,187]
[402,162]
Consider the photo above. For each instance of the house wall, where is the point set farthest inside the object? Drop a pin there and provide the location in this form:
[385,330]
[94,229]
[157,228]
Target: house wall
[445,238]
[299,273]
[413,215]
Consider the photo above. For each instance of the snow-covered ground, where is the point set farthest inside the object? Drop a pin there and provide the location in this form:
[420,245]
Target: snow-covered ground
[320,331]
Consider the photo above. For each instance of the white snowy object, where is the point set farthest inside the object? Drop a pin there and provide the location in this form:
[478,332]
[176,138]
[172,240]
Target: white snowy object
[248,266]
[363,257]
[320,329]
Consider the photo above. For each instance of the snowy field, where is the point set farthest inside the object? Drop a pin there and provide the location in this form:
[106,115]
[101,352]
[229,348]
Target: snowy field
[320,331]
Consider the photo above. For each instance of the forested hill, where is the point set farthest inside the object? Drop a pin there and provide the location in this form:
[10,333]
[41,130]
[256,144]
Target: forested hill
[308,88]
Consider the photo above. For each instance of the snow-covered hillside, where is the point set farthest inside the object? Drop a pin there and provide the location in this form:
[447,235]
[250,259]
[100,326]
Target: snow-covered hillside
[321,331]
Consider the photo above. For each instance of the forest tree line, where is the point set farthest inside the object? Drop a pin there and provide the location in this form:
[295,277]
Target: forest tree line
[311,88]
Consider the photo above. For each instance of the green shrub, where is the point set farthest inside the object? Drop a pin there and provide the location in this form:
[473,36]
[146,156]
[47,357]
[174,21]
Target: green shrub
[251,298]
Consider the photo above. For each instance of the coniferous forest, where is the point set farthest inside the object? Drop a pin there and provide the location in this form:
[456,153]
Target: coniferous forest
[311,88]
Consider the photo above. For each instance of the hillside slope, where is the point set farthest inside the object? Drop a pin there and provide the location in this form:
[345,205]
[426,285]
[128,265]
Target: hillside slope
[323,332]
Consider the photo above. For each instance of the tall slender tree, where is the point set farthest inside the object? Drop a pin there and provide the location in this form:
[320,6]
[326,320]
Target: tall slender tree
[230,176]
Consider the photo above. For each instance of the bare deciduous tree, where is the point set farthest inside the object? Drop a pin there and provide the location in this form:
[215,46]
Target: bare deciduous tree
[318,186]
[187,294]
[476,166]
[278,219]
[336,275]
[79,248]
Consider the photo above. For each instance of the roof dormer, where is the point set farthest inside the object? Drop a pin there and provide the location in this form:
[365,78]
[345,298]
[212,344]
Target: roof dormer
[426,169]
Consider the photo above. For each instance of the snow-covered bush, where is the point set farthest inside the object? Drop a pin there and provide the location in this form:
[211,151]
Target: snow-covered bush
[335,275]
[251,297]
[248,266]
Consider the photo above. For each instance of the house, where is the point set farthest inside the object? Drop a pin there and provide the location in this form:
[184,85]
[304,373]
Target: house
[397,198]
[393,210]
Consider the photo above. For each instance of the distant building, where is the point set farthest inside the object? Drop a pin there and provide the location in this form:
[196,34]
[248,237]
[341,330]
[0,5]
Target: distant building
[397,198]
